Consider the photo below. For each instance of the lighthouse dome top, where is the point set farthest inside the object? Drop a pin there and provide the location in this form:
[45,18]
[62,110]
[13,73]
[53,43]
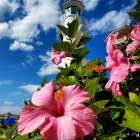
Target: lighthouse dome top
[76,3]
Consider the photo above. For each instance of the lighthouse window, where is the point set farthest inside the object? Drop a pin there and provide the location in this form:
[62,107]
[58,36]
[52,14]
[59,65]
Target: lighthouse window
[74,10]
[68,11]
[79,13]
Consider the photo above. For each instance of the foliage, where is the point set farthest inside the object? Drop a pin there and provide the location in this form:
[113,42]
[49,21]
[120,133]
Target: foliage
[116,117]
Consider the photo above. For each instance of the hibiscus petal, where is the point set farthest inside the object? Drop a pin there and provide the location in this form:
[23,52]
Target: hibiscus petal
[45,97]
[132,47]
[119,73]
[110,43]
[63,54]
[31,118]
[62,129]
[116,89]
[56,59]
[135,67]
[73,94]
[135,34]
[110,62]
[83,117]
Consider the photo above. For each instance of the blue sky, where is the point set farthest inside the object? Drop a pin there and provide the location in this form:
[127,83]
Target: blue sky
[27,32]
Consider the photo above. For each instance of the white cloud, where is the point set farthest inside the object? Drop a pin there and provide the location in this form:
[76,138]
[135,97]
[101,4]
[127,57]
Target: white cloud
[38,13]
[11,109]
[8,102]
[48,68]
[4,30]
[5,82]
[21,46]
[8,6]
[90,4]
[30,88]
[110,21]
[39,43]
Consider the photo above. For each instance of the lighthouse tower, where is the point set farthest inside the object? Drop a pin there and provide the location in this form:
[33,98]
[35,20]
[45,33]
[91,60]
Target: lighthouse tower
[72,9]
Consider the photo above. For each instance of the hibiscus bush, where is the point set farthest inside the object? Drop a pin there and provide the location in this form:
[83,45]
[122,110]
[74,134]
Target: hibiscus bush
[83,102]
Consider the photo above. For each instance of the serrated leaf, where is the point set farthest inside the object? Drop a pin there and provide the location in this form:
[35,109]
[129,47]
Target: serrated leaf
[73,28]
[63,29]
[98,106]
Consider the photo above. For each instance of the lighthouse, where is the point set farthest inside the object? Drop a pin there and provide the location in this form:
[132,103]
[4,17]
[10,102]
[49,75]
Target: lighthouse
[73,9]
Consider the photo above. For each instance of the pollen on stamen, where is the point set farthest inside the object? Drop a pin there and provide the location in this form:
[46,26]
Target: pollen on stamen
[58,95]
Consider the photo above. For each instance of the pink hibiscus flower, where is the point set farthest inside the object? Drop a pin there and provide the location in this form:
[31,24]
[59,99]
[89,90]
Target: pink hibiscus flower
[118,65]
[57,56]
[59,115]
[135,36]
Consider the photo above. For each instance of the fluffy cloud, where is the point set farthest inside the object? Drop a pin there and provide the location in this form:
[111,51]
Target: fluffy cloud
[8,102]
[37,17]
[4,30]
[30,88]
[8,6]
[90,4]
[110,21]
[20,46]
[26,28]
[48,68]
[11,109]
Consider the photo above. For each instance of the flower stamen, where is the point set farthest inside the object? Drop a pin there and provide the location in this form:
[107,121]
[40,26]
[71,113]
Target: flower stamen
[99,68]
[58,95]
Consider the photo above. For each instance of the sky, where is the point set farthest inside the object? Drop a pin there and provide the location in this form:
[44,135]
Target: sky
[27,33]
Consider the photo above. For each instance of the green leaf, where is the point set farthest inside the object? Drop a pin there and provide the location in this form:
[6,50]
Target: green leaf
[99,128]
[37,138]
[73,28]
[128,104]
[3,138]
[115,115]
[3,130]
[24,137]
[63,46]
[134,98]
[79,53]
[84,41]
[43,82]
[91,86]
[114,135]
[68,80]
[135,15]
[63,29]
[131,120]
[98,106]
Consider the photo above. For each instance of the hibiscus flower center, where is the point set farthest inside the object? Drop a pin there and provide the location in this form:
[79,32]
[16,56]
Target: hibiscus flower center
[58,96]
